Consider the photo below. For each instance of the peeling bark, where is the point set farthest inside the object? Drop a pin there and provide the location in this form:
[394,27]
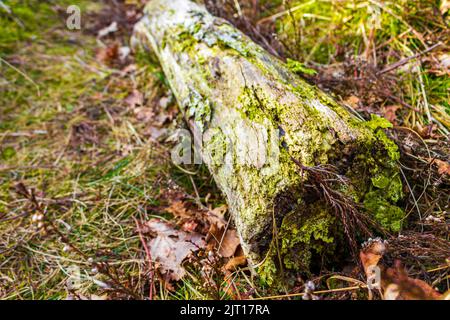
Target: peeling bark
[254,115]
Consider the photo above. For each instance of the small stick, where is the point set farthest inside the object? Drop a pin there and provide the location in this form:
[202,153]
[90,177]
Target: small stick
[22,74]
[404,61]
[149,257]
[315,292]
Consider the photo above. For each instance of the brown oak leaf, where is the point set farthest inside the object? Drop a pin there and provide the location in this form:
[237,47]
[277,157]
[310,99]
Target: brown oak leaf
[169,247]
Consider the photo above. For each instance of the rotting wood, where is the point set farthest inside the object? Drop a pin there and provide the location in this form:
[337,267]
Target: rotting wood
[252,115]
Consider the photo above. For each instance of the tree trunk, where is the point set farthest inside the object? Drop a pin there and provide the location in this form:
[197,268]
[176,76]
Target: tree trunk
[289,159]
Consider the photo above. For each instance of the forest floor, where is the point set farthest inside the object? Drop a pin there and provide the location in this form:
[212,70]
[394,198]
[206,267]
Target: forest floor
[86,178]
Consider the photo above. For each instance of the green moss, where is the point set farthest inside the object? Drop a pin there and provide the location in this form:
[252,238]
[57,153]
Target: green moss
[388,215]
[224,36]
[385,191]
[377,122]
[185,41]
[253,105]
[268,271]
[216,147]
[299,68]
[8,153]
[257,107]
[392,185]
[380,181]
[390,146]
[230,38]
[300,236]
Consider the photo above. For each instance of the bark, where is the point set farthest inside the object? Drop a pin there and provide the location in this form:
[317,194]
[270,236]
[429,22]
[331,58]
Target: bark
[254,116]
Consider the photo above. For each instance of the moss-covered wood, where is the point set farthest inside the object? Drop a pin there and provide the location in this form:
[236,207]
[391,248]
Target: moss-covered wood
[255,117]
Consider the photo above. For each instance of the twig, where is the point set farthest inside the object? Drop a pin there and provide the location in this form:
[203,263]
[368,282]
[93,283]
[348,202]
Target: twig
[23,74]
[400,63]
[345,208]
[315,292]
[285,12]
[150,260]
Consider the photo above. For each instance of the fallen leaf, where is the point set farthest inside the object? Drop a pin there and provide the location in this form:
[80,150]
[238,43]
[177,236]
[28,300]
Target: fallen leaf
[427,131]
[235,262]
[216,216]
[108,54]
[190,225]
[178,209]
[408,288]
[213,237]
[155,133]
[229,243]
[219,236]
[170,247]
[134,99]
[353,101]
[208,222]
[373,251]
[395,282]
[390,113]
[144,114]
[443,166]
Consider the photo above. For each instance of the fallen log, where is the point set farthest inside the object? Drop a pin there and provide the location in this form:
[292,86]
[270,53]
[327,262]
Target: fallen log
[298,170]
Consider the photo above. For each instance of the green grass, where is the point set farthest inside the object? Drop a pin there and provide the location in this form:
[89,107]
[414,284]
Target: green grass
[49,90]
[376,33]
